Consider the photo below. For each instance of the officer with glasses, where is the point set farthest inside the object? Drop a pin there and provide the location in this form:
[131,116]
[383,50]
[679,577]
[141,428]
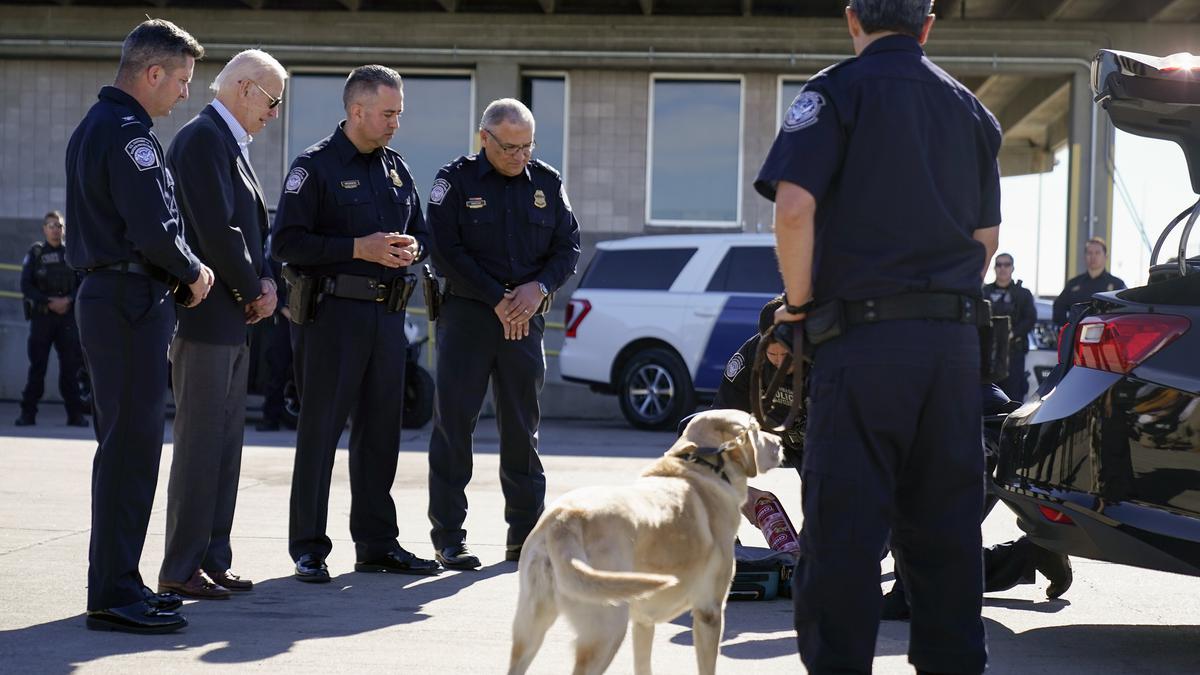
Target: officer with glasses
[1013,300]
[505,238]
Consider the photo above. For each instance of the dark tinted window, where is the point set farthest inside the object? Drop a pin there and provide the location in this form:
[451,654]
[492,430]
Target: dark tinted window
[648,269]
[748,269]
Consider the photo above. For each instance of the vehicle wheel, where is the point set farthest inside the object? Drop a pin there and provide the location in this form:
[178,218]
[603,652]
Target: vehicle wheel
[418,398]
[291,404]
[655,390]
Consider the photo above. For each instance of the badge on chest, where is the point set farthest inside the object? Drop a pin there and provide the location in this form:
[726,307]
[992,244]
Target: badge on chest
[539,199]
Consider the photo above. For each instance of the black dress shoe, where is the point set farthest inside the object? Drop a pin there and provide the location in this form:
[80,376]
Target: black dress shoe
[398,562]
[512,553]
[1057,569]
[458,557]
[25,421]
[310,568]
[139,617]
[163,602]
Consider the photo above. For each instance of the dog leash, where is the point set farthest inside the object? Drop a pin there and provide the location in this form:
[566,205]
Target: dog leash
[792,337]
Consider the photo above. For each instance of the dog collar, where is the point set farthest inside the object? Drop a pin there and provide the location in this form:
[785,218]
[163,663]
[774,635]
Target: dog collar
[700,455]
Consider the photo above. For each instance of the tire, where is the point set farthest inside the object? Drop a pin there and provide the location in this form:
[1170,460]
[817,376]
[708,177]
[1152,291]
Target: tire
[418,398]
[655,390]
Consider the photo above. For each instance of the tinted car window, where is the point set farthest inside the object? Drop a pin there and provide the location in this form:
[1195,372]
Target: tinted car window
[648,269]
[748,269]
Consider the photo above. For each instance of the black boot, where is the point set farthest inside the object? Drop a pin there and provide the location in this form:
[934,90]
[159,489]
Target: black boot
[1056,567]
[1006,565]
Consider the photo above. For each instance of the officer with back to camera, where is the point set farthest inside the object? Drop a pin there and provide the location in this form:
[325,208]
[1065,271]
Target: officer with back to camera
[48,285]
[887,194]
[127,239]
[505,238]
[350,222]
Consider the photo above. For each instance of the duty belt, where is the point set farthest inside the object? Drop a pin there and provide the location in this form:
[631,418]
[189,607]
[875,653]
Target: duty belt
[935,306]
[394,292]
[156,273]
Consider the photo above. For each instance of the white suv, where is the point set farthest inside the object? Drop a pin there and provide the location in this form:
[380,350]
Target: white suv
[655,319]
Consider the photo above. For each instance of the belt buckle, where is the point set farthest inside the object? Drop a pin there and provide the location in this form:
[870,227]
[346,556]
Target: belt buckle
[380,288]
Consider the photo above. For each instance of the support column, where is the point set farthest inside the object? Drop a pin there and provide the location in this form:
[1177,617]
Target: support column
[1090,187]
[493,80]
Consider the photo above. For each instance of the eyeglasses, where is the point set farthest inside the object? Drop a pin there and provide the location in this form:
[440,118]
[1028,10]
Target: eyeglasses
[1004,264]
[274,102]
[54,226]
[510,149]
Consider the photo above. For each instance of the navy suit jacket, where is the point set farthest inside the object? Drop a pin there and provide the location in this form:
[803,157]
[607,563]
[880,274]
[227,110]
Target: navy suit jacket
[225,224]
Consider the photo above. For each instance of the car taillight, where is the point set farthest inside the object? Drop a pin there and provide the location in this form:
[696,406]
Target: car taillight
[576,310]
[1055,516]
[1118,343]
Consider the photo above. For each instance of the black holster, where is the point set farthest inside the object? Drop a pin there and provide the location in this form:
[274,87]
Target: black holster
[994,340]
[303,295]
[400,291]
[27,307]
[433,294]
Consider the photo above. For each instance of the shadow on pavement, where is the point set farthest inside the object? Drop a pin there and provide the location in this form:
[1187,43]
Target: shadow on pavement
[252,626]
[1042,606]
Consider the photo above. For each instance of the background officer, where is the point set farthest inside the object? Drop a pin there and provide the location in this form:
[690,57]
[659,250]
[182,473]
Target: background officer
[887,195]
[505,238]
[1096,279]
[1015,301]
[350,216]
[128,239]
[49,285]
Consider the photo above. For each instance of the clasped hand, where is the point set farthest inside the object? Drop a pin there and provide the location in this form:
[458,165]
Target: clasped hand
[390,249]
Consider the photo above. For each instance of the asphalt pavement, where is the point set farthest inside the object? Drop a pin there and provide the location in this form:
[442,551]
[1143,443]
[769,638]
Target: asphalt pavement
[1113,620]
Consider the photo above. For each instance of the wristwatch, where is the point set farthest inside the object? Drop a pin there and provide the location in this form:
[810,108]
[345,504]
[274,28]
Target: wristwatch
[542,287]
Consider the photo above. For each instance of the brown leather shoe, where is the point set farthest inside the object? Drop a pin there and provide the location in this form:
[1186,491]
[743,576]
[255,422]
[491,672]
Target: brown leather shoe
[230,580]
[197,587]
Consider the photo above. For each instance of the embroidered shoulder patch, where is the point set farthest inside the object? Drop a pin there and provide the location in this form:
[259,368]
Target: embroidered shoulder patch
[141,151]
[734,367]
[438,194]
[295,180]
[804,111]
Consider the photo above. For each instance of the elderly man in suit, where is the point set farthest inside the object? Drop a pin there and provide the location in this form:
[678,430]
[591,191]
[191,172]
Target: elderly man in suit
[225,217]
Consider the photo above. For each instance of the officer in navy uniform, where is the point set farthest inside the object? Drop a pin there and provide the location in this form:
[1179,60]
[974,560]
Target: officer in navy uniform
[1096,279]
[1013,300]
[128,240]
[505,238]
[734,389]
[49,286]
[887,198]
[350,217]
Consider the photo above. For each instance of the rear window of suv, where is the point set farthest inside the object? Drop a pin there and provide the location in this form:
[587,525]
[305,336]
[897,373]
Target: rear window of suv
[652,269]
[747,269]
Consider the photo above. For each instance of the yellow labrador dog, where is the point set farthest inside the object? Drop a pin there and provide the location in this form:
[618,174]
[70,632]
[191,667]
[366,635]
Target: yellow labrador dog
[645,552]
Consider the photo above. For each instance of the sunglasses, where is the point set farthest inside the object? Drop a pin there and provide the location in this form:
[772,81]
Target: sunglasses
[274,102]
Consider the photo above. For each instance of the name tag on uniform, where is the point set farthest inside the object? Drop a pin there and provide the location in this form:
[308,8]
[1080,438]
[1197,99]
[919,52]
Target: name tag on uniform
[539,199]
[350,184]
[476,203]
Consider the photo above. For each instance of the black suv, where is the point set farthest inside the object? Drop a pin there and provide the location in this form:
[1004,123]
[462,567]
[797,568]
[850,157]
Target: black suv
[1105,463]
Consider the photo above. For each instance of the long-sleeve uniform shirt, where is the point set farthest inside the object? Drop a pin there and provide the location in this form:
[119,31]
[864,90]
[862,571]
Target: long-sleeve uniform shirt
[491,231]
[333,194]
[1081,289]
[120,193]
[734,392]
